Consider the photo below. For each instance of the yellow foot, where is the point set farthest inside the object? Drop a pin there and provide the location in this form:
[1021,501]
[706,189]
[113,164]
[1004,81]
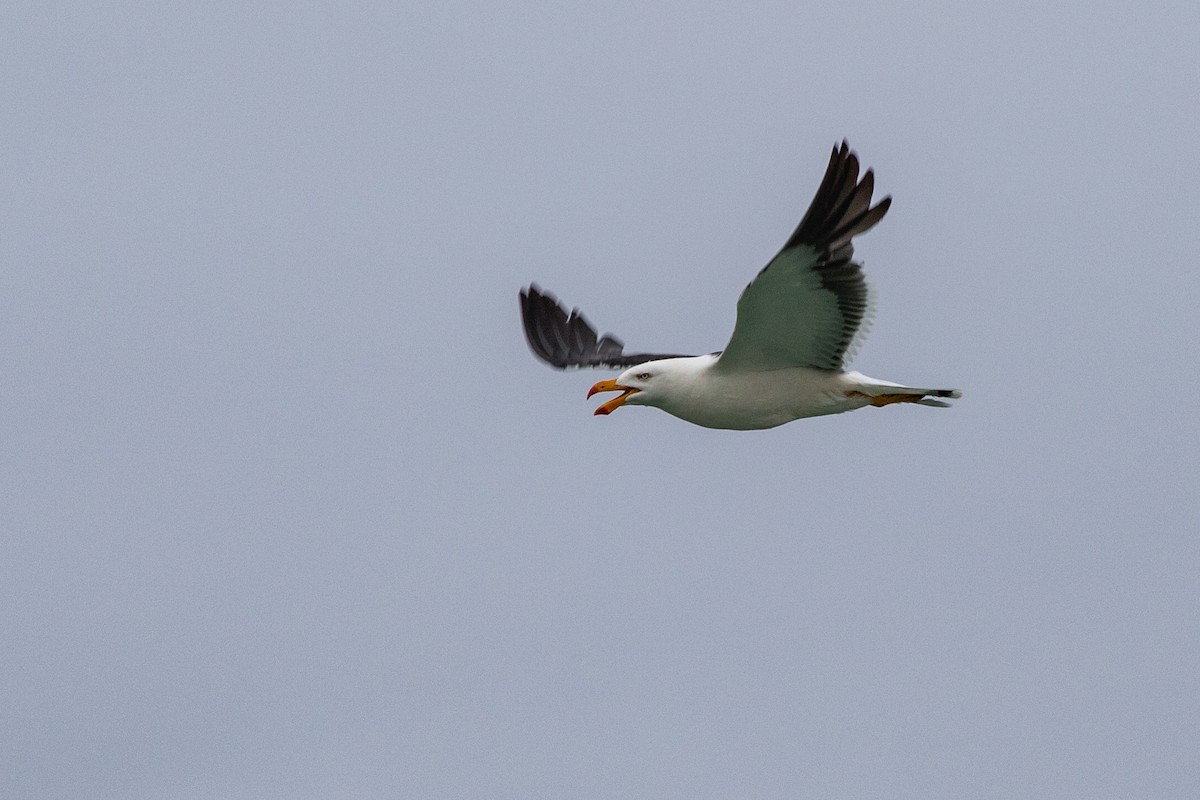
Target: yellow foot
[881,400]
[887,399]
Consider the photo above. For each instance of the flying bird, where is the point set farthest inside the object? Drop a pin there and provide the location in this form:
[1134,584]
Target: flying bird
[799,324]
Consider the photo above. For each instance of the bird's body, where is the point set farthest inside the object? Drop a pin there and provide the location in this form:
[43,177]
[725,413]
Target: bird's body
[697,390]
[799,322]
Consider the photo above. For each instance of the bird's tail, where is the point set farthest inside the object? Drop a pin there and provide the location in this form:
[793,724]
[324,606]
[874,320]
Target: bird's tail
[929,394]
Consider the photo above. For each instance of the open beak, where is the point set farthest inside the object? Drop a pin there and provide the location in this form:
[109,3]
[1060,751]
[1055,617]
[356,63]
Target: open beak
[616,402]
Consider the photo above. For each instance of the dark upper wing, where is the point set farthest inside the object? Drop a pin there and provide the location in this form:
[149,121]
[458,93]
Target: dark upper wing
[567,340]
[810,305]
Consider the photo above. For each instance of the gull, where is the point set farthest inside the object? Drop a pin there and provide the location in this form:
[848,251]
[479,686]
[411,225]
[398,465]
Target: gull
[799,324]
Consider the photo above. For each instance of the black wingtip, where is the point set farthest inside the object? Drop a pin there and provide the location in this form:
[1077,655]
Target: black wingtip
[567,340]
[841,208]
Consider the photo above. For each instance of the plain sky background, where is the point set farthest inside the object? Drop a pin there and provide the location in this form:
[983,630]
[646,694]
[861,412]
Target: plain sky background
[290,511]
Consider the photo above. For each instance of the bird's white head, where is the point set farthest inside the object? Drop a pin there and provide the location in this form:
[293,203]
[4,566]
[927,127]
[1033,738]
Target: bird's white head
[649,384]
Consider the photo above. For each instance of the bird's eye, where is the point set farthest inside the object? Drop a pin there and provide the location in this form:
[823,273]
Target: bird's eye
[643,376]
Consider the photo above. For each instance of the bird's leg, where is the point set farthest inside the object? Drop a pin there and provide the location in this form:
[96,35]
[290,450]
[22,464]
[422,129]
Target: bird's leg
[881,400]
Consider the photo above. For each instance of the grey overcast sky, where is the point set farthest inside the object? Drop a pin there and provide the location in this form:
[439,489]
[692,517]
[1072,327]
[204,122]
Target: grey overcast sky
[290,511]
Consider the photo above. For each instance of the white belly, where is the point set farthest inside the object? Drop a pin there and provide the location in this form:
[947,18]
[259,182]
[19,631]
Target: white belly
[755,400]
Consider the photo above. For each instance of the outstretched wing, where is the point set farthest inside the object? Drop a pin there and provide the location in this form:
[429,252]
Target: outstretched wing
[811,305]
[567,340]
